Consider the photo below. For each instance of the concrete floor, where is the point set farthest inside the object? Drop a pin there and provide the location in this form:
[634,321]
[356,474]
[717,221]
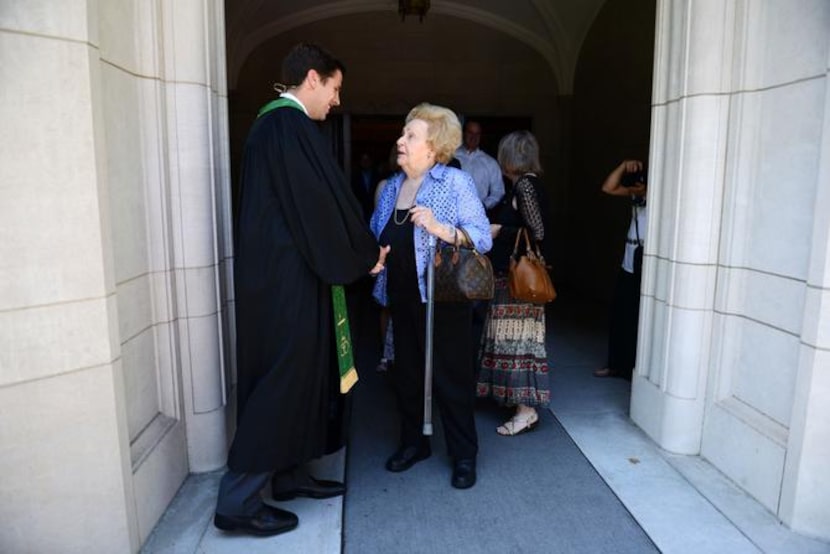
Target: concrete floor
[682,502]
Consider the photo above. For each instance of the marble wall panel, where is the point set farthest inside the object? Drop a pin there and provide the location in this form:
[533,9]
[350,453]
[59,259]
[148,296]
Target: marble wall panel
[55,18]
[207,439]
[700,180]
[46,340]
[163,296]
[135,306]
[118,23]
[221,161]
[158,479]
[126,173]
[185,30]
[690,51]
[774,177]
[710,35]
[669,52]
[687,351]
[191,184]
[59,456]
[168,352]
[149,51]
[780,43]
[729,443]
[664,176]
[652,344]
[138,359]
[199,291]
[805,491]
[207,388]
[776,301]
[693,286]
[765,369]
[152,143]
[816,330]
[48,181]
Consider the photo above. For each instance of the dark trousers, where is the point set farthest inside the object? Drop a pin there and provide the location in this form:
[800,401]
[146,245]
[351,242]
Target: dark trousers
[239,493]
[453,376]
[622,331]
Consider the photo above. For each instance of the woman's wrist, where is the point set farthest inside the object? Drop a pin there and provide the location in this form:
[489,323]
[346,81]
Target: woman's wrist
[453,234]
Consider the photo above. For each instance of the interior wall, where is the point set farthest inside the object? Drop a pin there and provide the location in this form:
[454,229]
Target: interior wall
[611,110]
[467,67]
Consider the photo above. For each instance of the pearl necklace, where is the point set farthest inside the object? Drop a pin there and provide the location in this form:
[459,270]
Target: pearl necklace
[395,212]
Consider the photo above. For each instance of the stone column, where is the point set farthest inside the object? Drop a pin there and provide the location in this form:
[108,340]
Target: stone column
[196,100]
[63,430]
[806,487]
[688,135]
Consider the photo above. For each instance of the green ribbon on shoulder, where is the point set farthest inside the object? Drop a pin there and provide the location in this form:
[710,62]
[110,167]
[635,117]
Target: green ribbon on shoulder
[345,359]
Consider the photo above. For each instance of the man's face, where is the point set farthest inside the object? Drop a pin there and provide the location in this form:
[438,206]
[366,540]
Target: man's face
[326,95]
[472,136]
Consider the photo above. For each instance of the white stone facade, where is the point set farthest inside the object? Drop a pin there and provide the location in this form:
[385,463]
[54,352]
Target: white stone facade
[115,284]
[733,355]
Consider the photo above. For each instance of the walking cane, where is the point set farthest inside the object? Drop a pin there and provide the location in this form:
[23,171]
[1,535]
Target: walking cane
[428,345]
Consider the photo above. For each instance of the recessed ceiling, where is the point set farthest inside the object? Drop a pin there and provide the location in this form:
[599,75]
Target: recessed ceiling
[553,28]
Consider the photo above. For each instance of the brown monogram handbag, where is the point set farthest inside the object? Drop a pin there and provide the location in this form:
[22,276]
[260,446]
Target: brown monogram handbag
[528,278]
[462,274]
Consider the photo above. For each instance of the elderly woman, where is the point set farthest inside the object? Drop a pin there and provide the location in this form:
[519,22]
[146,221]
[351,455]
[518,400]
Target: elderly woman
[429,198]
[513,359]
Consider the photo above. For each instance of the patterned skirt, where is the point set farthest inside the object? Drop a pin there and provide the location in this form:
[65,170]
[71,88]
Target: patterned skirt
[513,361]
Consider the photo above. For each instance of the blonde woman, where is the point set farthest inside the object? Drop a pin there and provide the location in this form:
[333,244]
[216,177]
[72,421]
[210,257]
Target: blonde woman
[428,198]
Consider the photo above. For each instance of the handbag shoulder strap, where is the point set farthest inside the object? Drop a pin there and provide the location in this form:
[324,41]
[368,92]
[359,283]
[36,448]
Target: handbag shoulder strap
[522,232]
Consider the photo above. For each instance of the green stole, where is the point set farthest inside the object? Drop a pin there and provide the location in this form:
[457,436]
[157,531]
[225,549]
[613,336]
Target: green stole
[345,359]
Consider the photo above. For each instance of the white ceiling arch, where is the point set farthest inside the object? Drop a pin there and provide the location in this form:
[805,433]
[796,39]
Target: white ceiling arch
[554,29]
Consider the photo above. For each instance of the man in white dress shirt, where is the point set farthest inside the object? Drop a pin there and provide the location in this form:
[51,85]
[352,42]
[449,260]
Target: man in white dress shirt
[483,167]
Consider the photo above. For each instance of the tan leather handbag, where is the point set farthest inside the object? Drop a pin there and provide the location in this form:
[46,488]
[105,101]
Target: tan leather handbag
[528,277]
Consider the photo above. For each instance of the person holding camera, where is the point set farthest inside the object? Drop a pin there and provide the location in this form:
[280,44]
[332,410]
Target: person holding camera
[627,180]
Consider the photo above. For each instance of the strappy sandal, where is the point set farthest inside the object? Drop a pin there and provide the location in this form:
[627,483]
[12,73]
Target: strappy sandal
[517,425]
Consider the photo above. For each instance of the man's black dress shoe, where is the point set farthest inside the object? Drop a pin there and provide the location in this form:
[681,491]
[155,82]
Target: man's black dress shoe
[307,486]
[267,521]
[464,474]
[406,457]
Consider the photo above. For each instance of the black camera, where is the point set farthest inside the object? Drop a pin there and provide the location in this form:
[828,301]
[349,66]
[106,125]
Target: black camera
[631,179]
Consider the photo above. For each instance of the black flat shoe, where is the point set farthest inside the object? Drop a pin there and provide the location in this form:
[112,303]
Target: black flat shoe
[265,522]
[464,474]
[308,487]
[406,457]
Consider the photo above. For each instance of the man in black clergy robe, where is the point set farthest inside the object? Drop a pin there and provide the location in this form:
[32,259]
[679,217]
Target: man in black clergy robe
[300,230]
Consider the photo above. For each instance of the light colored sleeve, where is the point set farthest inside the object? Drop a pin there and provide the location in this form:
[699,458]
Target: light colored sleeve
[495,184]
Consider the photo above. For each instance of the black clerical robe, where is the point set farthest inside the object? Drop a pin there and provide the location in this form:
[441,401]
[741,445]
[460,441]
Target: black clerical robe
[299,230]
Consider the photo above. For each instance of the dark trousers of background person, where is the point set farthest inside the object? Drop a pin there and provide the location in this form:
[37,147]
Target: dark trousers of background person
[622,331]
[453,382]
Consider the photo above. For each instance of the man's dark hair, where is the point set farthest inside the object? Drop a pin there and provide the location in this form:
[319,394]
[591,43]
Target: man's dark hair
[305,56]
